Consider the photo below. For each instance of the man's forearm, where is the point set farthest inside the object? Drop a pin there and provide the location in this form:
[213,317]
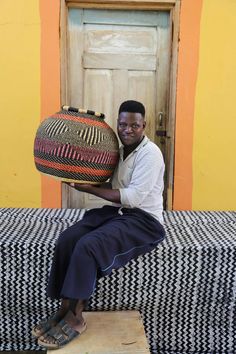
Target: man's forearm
[112,195]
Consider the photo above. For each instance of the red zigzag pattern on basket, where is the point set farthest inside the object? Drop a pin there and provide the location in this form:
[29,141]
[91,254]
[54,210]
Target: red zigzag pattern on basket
[71,168]
[74,152]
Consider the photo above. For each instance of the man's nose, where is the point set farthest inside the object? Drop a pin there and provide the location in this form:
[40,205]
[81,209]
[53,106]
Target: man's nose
[128,129]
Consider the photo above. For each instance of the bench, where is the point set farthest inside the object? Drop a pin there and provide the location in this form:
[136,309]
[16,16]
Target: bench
[185,289]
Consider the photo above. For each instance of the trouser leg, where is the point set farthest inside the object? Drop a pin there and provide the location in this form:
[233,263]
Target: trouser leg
[66,244]
[81,276]
[110,246]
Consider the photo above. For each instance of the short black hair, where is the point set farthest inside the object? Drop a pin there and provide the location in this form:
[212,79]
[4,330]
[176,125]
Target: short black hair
[132,106]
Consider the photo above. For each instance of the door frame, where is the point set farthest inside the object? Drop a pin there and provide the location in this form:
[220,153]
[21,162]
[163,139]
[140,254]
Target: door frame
[173,6]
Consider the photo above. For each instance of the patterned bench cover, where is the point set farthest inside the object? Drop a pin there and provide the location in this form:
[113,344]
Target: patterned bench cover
[185,289]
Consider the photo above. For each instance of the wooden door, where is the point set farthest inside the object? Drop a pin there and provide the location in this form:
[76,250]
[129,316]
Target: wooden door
[117,55]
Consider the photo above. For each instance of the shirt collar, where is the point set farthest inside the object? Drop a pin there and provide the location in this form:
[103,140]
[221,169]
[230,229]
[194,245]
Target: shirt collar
[143,143]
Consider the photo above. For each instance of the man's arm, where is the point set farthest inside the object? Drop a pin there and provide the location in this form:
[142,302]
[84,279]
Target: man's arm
[112,195]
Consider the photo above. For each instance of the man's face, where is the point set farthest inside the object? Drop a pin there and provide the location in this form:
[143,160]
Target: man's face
[130,128]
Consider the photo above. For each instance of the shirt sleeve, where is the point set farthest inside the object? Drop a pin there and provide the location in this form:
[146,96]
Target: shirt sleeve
[147,168]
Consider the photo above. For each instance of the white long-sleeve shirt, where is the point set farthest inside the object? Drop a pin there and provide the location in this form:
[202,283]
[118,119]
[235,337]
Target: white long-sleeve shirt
[140,179]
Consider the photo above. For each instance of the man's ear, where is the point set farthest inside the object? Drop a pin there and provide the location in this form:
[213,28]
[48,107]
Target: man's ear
[144,124]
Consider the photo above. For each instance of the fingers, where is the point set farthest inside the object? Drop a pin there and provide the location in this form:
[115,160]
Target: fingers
[71,184]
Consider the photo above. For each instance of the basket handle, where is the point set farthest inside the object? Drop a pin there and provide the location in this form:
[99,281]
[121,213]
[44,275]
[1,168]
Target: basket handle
[85,111]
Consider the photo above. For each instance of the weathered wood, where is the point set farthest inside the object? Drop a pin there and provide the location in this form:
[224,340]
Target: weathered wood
[63,51]
[162,93]
[175,18]
[121,37]
[64,77]
[109,333]
[75,69]
[165,82]
[122,61]
[142,86]
[133,2]
[114,4]
[97,52]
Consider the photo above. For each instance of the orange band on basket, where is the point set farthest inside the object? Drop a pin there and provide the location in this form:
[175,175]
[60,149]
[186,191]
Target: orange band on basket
[81,119]
[69,168]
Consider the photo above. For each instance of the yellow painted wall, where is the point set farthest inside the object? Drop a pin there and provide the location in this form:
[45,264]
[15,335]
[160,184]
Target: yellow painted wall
[214,143]
[20,102]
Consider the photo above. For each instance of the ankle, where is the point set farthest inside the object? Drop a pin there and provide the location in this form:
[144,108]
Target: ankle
[65,303]
[64,307]
[74,319]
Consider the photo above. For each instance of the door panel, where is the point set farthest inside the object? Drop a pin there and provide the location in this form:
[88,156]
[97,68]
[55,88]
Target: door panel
[123,61]
[142,87]
[116,56]
[98,91]
[114,39]
[121,17]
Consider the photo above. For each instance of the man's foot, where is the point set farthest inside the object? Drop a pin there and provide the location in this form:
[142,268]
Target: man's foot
[46,324]
[61,334]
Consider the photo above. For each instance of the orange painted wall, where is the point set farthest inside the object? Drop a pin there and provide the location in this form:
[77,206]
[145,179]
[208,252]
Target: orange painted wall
[50,85]
[190,18]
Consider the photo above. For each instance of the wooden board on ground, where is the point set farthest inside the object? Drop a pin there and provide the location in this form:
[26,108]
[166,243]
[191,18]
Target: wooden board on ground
[111,332]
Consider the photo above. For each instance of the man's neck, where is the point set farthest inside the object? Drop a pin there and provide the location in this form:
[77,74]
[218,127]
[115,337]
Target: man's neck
[130,148]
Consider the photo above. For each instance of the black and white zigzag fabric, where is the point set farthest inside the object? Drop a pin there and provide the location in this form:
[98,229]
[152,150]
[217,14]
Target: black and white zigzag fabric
[185,289]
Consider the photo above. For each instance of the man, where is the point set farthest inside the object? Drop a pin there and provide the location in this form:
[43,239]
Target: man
[107,237]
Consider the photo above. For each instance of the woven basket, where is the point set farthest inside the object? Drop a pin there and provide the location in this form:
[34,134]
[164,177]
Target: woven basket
[76,145]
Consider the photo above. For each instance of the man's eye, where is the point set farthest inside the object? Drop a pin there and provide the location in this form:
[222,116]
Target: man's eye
[135,126]
[122,125]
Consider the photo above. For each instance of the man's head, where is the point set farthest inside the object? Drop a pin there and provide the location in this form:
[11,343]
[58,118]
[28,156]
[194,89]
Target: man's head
[131,122]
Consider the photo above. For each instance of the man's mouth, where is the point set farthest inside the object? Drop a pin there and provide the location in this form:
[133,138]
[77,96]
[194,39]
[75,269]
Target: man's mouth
[127,136]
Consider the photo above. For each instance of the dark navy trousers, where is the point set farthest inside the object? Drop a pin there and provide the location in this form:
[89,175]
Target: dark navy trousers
[106,238]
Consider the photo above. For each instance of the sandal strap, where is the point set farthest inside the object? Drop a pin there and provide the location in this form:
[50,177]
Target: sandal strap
[69,331]
[62,333]
[44,324]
